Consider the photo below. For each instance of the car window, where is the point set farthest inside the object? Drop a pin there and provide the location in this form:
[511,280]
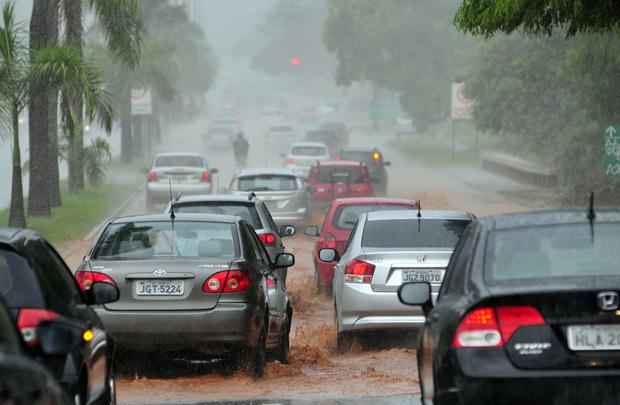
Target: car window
[246,211]
[346,215]
[365,157]
[180,160]
[462,256]
[19,285]
[308,151]
[557,251]
[150,240]
[337,174]
[267,183]
[411,233]
[351,236]
[267,213]
[65,273]
[257,247]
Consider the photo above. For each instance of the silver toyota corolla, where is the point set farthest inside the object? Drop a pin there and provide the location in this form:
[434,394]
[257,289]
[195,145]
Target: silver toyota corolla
[387,248]
[282,191]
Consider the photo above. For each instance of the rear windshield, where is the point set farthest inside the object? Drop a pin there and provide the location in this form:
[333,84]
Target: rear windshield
[267,183]
[346,216]
[150,240]
[309,151]
[245,211]
[351,174]
[184,161]
[411,233]
[553,251]
[19,285]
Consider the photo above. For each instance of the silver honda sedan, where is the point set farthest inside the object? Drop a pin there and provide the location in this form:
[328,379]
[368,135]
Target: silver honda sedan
[387,248]
[282,191]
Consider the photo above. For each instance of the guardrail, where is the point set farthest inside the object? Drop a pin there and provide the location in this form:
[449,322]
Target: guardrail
[519,169]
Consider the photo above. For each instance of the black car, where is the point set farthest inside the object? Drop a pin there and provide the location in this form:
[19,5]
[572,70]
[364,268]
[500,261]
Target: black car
[47,306]
[23,381]
[528,313]
[373,158]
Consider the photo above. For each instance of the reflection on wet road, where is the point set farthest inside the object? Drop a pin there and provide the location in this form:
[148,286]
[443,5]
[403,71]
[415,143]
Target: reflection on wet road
[395,400]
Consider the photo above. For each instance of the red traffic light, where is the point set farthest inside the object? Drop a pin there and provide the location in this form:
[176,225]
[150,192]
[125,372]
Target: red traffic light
[295,61]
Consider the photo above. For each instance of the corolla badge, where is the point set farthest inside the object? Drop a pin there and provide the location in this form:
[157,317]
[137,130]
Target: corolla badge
[160,273]
[608,300]
[421,258]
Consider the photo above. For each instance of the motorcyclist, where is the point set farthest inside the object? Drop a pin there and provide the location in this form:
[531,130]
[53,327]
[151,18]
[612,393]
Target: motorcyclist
[241,148]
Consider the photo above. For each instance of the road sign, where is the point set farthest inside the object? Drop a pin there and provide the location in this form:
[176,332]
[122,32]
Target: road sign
[141,102]
[612,151]
[462,107]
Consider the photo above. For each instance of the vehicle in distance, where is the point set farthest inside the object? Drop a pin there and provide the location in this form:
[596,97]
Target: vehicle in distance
[280,137]
[340,219]
[404,126]
[57,321]
[333,179]
[373,159]
[302,155]
[338,129]
[22,380]
[283,192]
[197,283]
[528,312]
[181,173]
[219,137]
[330,138]
[386,249]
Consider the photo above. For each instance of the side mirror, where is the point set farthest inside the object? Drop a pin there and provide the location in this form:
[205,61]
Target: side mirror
[287,230]
[387,163]
[284,260]
[59,337]
[329,255]
[214,170]
[415,294]
[312,231]
[103,293]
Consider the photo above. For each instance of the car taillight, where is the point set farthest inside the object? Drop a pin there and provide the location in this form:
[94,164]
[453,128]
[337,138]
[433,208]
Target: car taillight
[329,241]
[151,176]
[205,177]
[232,281]
[268,239]
[493,327]
[359,272]
[29,319]
[289,162]
[85,279]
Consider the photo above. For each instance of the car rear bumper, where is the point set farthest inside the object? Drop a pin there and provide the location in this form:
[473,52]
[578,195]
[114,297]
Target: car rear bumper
[161,192]
[361,309]
[225,325]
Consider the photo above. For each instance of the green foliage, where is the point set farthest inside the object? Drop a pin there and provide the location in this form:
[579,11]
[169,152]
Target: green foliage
[488,17]
[97,156]
[409,47]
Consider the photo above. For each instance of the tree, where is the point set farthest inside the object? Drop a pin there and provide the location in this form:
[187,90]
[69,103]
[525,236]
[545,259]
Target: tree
[488,17]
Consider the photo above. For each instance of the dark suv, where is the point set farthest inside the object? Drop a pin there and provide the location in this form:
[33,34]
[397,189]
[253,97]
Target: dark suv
[47,306]
[373,159]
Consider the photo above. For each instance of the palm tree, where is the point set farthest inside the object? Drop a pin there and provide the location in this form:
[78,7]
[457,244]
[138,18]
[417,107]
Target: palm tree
[120,20]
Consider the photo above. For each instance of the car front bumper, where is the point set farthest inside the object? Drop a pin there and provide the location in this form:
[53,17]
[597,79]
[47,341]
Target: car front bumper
[215,330]
[361,309]
[160,192]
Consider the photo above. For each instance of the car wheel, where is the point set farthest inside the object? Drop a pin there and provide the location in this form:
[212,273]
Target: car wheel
[258,356]
[285,343]
[109,396]
[344,342]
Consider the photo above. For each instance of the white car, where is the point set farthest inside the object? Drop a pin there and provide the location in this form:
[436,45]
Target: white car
[302,155]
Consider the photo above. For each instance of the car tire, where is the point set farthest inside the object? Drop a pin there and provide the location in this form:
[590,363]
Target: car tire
[285,343]
[109,396]
[344,342]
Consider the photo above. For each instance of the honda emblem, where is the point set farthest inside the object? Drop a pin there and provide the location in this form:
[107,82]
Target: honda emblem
[608,300]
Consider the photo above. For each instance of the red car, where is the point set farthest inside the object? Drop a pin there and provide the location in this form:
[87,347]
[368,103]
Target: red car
[333,179]
[340,219]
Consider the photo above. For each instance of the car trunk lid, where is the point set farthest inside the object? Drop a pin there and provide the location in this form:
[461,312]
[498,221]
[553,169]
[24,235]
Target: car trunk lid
[179,175]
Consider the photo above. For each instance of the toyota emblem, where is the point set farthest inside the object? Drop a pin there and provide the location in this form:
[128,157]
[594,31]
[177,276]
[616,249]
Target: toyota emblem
[160,273]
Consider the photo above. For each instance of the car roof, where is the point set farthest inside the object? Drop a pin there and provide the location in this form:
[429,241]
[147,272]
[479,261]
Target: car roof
[15,237]
[317,144]
[178,154]
[339,202]
[413,214]
[335,163]
[240,198]
[548,217]
[179,217]
[267,170]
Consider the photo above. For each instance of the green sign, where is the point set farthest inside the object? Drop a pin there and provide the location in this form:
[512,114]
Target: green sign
[612,151]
